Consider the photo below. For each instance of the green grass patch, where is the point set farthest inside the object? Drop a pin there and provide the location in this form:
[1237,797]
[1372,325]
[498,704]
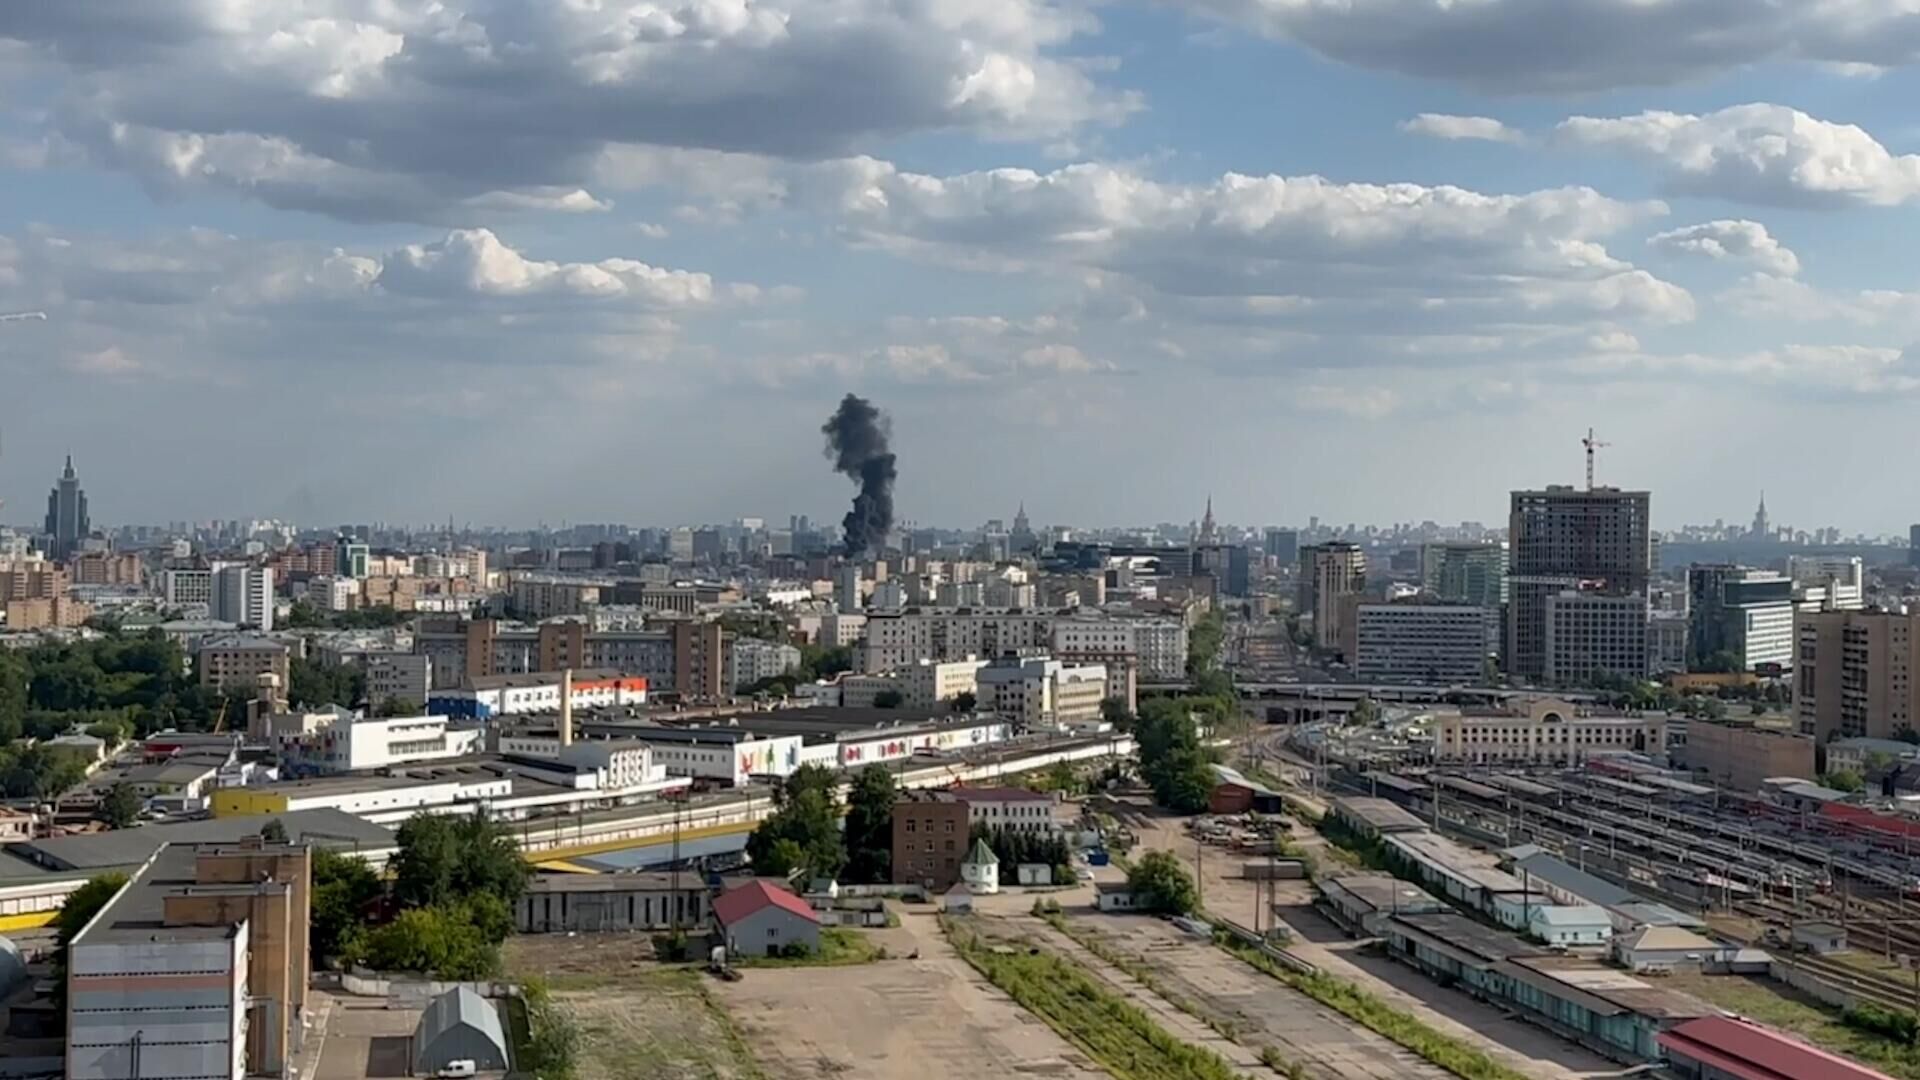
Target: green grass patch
[1449,1053]
[1121,1037]
[839,947]
[1776,1006]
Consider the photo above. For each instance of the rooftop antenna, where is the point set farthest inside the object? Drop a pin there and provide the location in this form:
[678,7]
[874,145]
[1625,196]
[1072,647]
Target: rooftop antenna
[1591,444]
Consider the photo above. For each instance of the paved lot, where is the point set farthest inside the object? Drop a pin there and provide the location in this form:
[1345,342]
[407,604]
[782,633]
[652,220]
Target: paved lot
[933,1018]
[364,1038]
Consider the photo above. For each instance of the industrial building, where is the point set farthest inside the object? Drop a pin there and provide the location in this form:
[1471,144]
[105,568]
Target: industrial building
[196,968]
[598,903]
[761,919]
[459,1025]
[536,692]
[1741,755]
[1361,901]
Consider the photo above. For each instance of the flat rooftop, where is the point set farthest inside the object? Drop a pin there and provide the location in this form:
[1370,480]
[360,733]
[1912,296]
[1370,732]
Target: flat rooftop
[1475,868]
[534,678]
[1381,892]
[602,883]
[1377,814]
[1464,938]
[136,913]
[125,848]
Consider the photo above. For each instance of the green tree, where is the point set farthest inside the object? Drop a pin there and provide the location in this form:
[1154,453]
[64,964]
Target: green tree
[803,832]
[1161,884]
[1723,662]
[345,889]
[274,832]
[399,706]
[311,685]
[869,832]
[1844,780]
[1203,643]
[1114,711]
[443,859]
[442,941]
[1172,761]
[121,807]
[963,702]
[888,699]
[1366,712]
[83,904]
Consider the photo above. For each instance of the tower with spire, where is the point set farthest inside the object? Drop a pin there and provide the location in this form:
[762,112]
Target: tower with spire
[1020,539]
[1209,533]
[1761,527]
[67,522]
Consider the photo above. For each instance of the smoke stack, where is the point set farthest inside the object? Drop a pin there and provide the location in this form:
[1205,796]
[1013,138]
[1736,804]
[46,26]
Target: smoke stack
[857,442]
[566,708]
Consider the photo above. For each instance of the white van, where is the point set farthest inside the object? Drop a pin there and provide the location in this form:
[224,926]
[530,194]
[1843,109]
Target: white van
[454,1069]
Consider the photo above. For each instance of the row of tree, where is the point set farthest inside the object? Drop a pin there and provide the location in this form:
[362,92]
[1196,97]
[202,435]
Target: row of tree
[803,835]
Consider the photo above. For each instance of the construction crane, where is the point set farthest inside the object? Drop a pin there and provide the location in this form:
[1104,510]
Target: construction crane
[24,316]
[1591,444]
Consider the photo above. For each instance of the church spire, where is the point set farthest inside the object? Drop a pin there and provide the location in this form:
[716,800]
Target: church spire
[1207,528]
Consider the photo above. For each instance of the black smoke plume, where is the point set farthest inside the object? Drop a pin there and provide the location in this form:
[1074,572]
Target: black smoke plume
[857,443]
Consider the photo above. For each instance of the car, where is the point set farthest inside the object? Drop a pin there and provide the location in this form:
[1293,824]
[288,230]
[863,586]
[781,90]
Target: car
[457,1068]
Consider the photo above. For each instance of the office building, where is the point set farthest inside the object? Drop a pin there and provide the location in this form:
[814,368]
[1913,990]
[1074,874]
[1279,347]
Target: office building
[1913,545]
[687,658]
[1038,693]
[67,522]
[1590,543]
[187,590]
[1329,574]
[397,677]
[1854,673]
[1667,642]
[350,558]
[846,588]
[1436,644]
[1590,633]
[1827,582]
[1739,618]
[1282,546]
[196,969]
[1457,573]
[750,660]
[243,596]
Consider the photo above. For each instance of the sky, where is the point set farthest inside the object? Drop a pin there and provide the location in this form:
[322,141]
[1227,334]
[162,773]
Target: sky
[591,260]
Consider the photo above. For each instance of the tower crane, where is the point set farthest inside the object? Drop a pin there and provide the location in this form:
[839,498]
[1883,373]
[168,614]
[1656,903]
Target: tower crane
[1591,444]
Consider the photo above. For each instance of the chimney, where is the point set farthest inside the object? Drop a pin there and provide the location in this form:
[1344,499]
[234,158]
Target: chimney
[566,707]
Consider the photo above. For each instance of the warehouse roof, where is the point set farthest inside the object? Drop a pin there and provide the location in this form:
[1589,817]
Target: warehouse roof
[131,847]
[1747,1051]
[138,911]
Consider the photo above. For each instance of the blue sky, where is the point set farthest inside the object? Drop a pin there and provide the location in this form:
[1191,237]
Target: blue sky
[1374,260]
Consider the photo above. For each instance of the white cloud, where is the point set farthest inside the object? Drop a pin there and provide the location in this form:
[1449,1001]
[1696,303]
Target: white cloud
[1282,250]
[1738,241]
[442,111]
[1566,46]
[1443,126]
[474,261]
[1855,371]
[1758,153]
[1766,296]
[111,361]
[1359,403]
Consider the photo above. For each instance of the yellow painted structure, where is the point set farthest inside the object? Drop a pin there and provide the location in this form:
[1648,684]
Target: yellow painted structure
[240,801]
[32,920]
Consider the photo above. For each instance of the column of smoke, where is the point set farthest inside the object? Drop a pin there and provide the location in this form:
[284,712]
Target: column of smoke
[857,443]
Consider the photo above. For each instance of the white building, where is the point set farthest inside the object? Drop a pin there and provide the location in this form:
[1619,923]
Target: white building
[1827,582]
[1544,731]
[841,629]
[1425,643]
[330,592]
[328,743]
[1588,632]
[191,591]
[243,595]
[1043,694]
[405,676]
[728,755]
[1666,642]
[1016,809]
[539,691]
[846,588]
[751,659]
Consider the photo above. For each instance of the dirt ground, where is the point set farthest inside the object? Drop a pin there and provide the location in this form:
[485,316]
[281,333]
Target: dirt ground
[1318,941]
[931,1018]
[364,1038]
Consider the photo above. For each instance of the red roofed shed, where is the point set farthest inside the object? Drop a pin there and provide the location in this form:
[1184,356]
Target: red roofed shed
[759,919]
[1724,1048]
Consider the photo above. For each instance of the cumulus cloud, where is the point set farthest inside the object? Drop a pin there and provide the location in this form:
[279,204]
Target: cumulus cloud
[1268,248]
[1737,241]
[1443,126]
[1566,46]
[1837,371]
[439,111]
[1760,153]
[474,261]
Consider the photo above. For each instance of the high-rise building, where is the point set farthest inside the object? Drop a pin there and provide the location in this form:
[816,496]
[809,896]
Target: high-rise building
[243,595]
[1854,673]
[351,557]
[1461,573]
[846,588]
[1595,543]
[1738,617]
[1913,545]
[1329,574]
[1283,546]
[1021,539]
[67,520]
[1431,643]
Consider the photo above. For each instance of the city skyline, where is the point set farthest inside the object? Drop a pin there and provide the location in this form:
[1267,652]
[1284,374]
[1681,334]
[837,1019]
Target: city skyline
[1381,259]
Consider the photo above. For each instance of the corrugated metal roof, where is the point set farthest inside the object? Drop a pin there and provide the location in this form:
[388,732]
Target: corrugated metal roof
[1749,1051]
[459,1007]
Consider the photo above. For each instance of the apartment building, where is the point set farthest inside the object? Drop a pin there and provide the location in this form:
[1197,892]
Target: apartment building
[1331,574]
[1420,643]
[1590,543]
[234,664]
[1854,673]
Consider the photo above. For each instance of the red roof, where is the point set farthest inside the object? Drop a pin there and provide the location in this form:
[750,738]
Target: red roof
[1748,1051]
[756,896]
[999,794]
[1864,818]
